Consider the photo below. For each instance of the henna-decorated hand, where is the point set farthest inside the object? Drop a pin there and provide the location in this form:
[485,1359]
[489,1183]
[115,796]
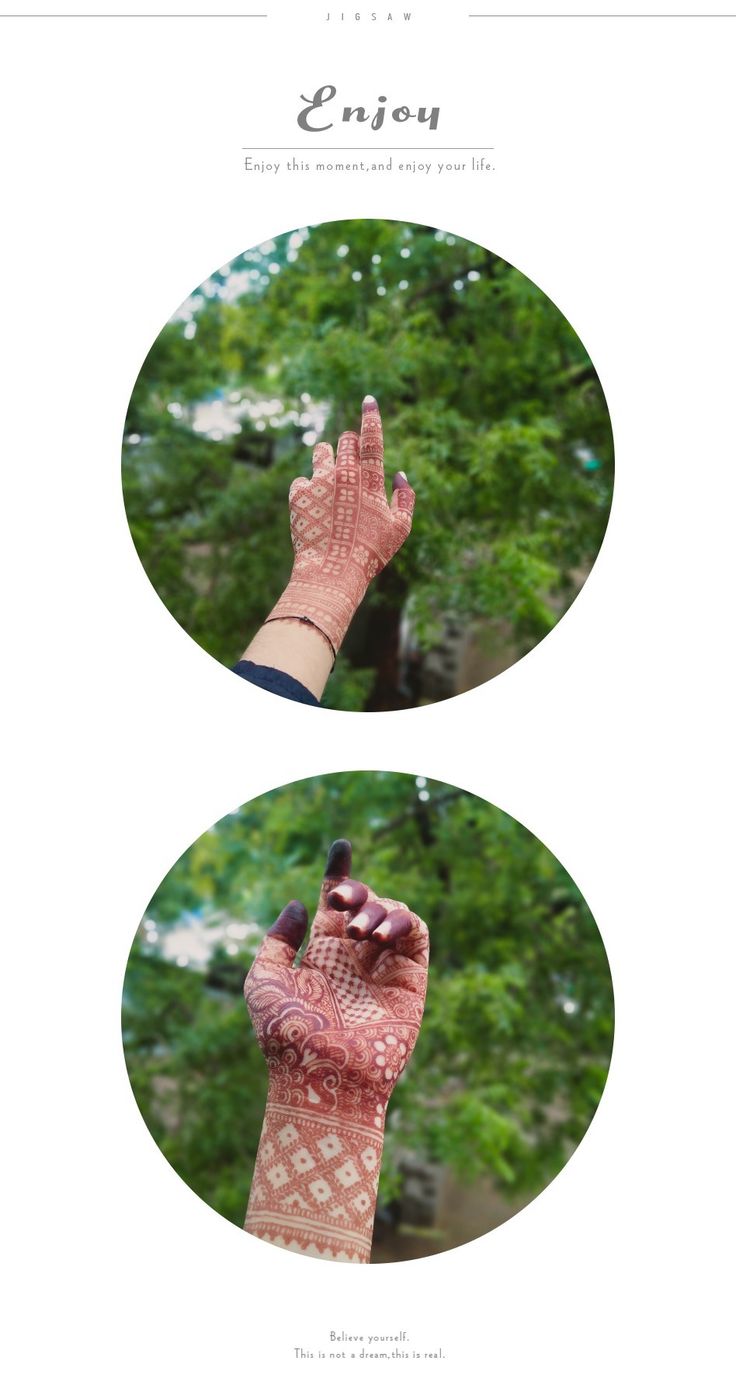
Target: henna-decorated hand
[343,529]
[337,1032]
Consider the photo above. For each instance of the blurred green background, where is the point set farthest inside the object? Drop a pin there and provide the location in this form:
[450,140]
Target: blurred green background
[490,404]
[514,1049]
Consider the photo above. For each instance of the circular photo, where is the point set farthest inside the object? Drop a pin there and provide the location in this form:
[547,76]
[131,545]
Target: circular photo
[368,1017]
[367,465]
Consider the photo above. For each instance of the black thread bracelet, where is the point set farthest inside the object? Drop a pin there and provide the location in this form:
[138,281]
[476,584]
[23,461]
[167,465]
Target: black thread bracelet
[292,617]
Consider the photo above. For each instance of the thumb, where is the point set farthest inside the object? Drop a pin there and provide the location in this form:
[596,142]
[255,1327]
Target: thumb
[282,941]
[402,500]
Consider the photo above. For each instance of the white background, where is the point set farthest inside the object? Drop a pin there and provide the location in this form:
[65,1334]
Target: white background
[123,189]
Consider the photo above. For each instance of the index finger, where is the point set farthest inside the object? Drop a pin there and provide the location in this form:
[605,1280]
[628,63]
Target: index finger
[371,438]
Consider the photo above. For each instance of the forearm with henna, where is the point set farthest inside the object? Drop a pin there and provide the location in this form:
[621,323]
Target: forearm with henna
[337,1033]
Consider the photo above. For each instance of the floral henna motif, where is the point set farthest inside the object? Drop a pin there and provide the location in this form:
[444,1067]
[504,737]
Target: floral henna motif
[337,1033]
[342,529]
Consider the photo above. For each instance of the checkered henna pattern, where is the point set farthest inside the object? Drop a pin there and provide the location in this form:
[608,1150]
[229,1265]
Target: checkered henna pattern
[343,529]
[337,1033]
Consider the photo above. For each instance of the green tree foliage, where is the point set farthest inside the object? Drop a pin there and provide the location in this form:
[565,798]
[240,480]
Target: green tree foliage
[490,403]
[514,1049]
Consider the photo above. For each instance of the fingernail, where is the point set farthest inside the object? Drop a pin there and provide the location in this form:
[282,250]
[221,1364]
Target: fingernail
[358,922]
[402,474]
[370,402]
[382,932]
[341,897]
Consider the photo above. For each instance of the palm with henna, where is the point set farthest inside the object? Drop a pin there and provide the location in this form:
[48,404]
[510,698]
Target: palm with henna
[336,1031]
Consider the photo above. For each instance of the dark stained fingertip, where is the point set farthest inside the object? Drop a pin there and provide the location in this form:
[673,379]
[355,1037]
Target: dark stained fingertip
[396,925]
[291,925]
[339,859]
[400,480]
[365,921]
[369,403]
[348,896]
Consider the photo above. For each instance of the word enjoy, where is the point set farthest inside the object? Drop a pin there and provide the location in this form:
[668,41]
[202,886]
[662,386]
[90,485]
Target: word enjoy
[425,115]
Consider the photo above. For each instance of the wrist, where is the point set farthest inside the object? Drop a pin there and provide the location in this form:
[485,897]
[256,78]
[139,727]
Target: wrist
[296,648]
[316,1175]
[328,609]
[310,625]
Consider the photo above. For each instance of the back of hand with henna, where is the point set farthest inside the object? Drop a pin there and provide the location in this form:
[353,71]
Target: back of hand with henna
[343,530]
[336,1032]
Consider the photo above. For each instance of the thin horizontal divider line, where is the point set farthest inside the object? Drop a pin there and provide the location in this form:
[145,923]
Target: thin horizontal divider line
[378,149]
[602,16]
[135,16]
[470,16]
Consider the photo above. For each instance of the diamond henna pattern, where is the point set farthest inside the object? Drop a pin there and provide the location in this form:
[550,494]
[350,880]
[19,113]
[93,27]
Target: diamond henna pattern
[332,1210]
[347,1174]
[330,1146]
[311,520]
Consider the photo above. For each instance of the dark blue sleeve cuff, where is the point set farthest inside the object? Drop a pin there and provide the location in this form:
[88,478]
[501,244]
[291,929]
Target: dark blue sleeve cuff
[275,681]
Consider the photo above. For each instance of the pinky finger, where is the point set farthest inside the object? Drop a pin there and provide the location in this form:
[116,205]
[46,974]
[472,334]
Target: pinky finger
[402,499]
[323,460]
[300,484]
